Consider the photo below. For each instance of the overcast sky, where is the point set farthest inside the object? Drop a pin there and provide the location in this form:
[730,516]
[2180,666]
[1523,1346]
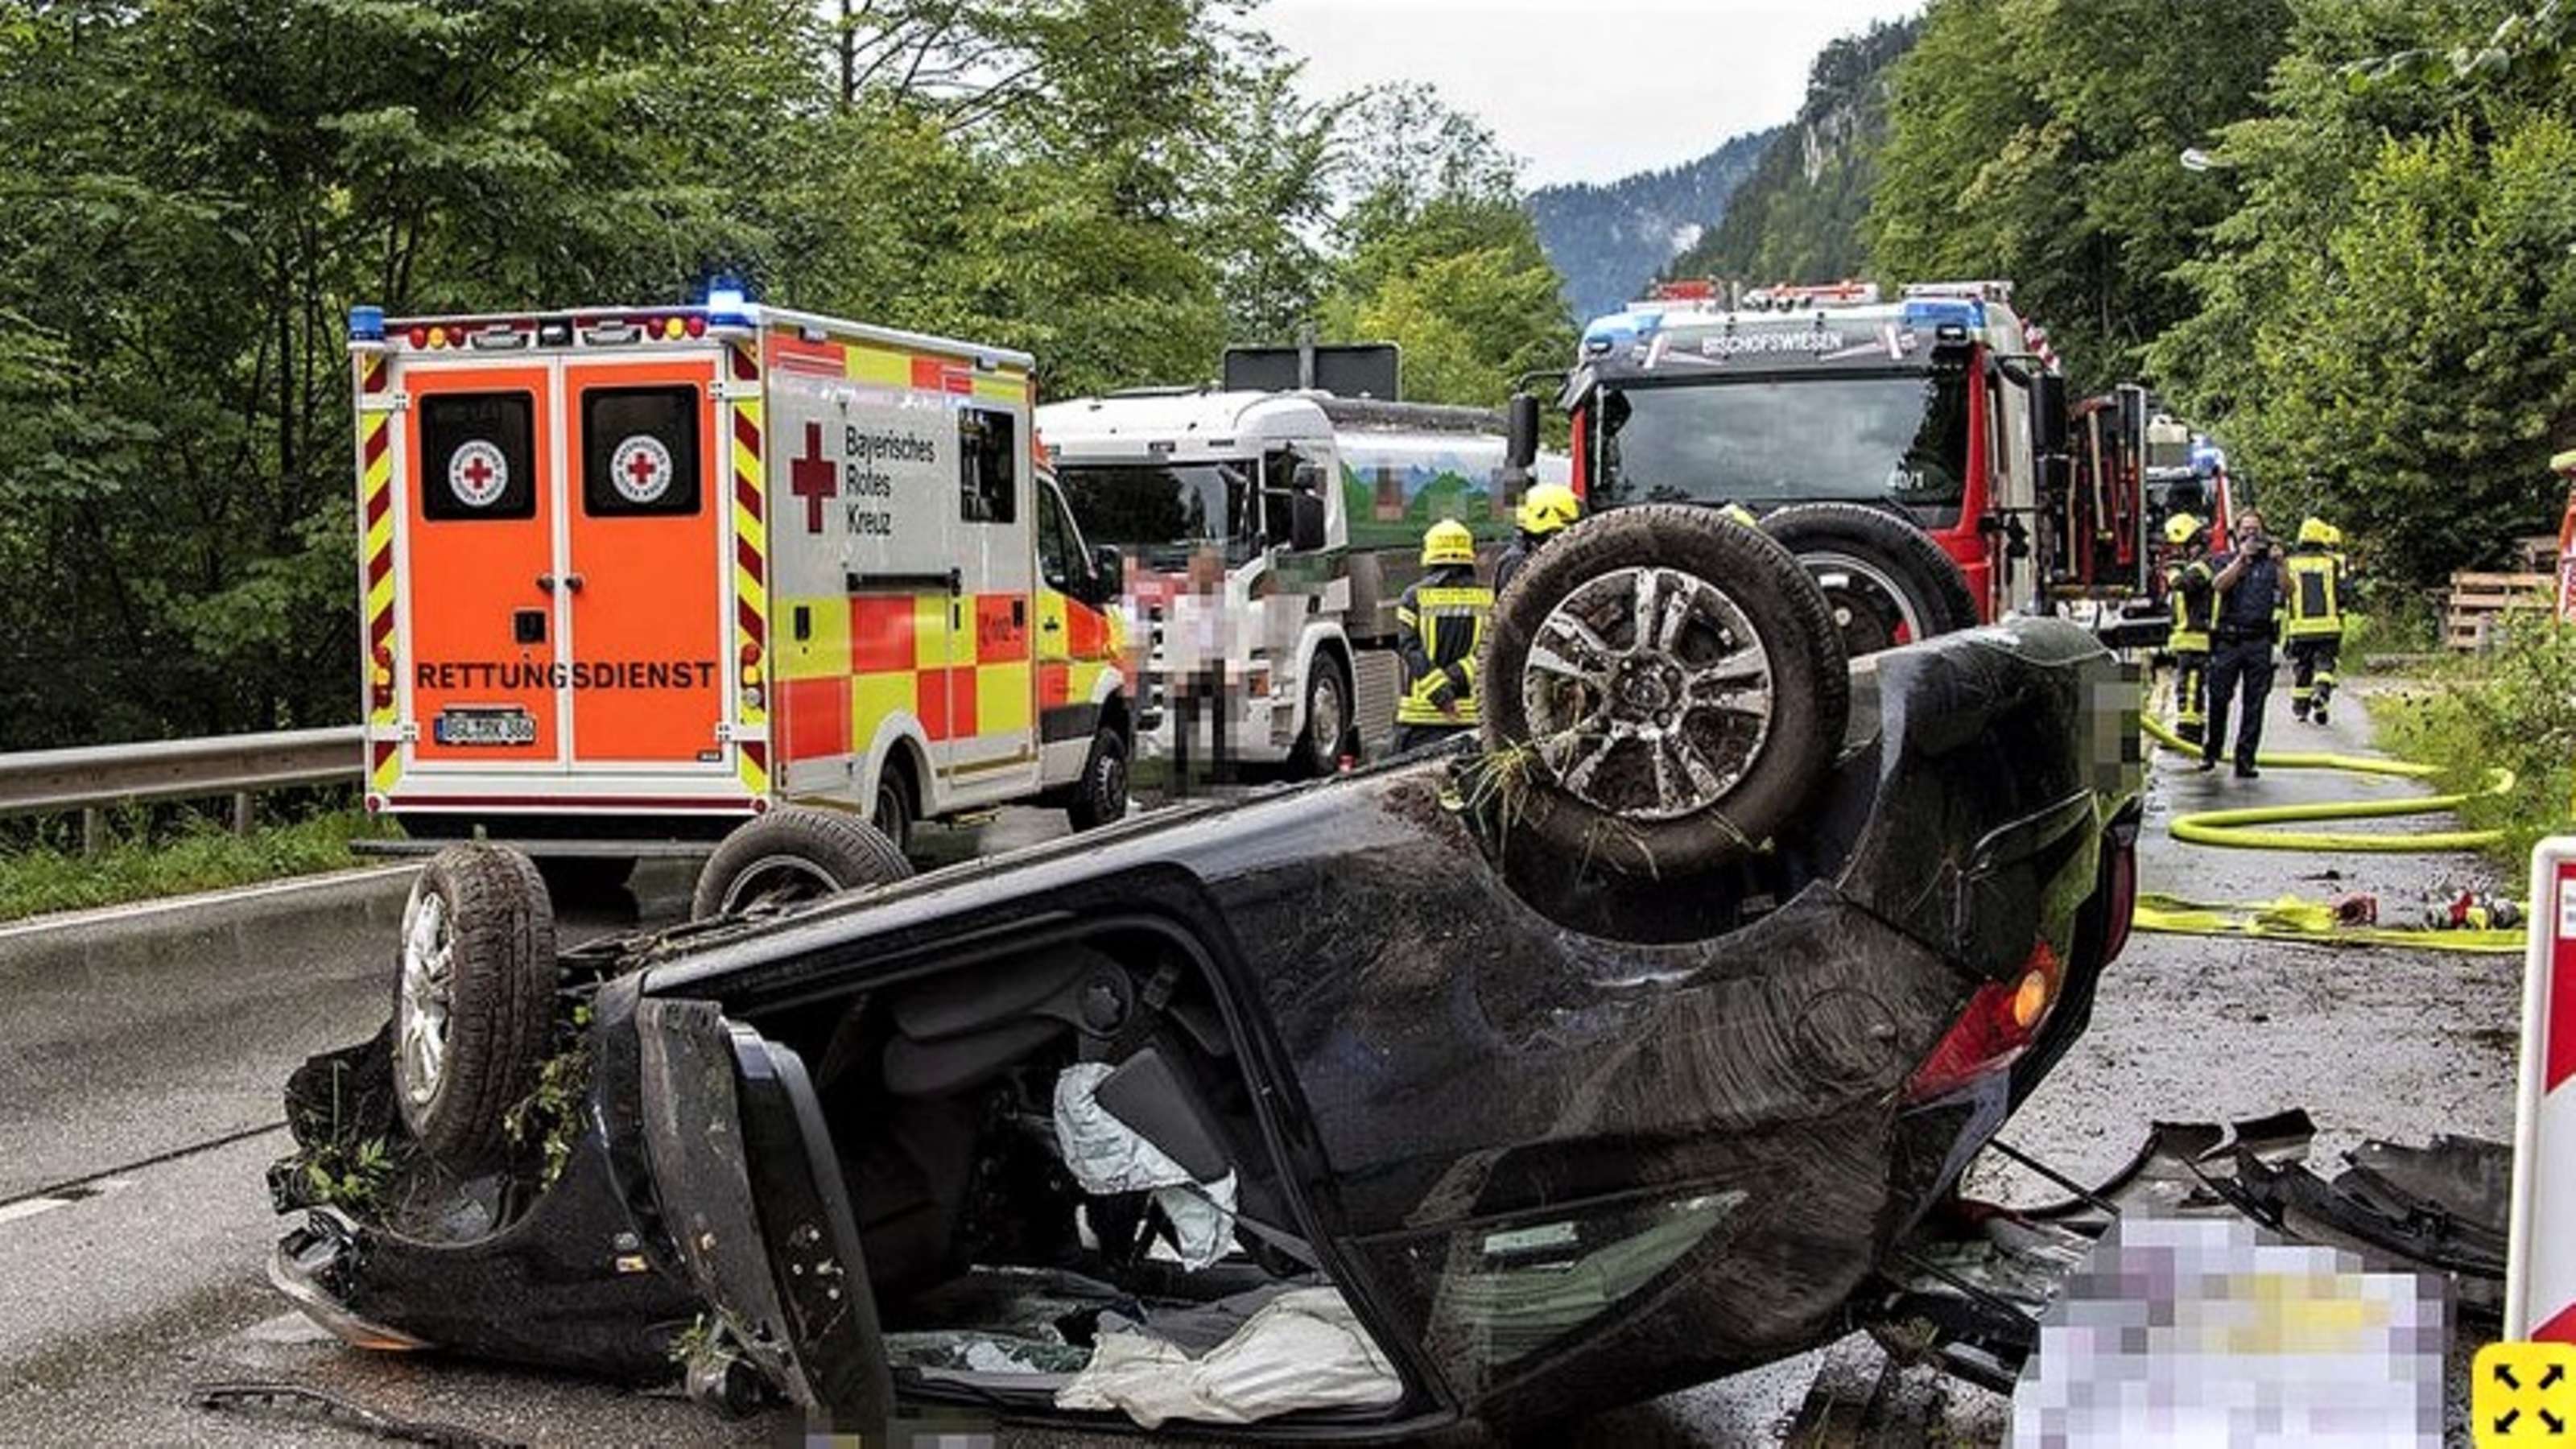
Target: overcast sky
[1584,90]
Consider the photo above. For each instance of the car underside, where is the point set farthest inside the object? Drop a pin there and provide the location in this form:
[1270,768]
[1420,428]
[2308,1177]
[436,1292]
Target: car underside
[1350,1108]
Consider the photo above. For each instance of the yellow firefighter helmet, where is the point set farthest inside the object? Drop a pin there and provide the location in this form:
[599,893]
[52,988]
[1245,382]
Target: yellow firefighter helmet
[1548,508]
[2313,529]
[1448,542]
[2181,529]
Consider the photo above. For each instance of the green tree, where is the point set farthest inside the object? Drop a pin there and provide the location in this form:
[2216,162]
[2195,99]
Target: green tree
[2385,326]
[1440,256]
[2038,140]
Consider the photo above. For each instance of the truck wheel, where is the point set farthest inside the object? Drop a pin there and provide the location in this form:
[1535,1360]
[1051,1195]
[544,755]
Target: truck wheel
[794,854]
[1664,688]
[474,1000]
[1886,581]
[1328,718]
[893,814]
[571,878]
[1100,796]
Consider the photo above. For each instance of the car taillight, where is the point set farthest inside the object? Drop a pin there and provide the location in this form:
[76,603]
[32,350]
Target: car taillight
[748,676]
[2123,901]
[380,679]
[2001,1019]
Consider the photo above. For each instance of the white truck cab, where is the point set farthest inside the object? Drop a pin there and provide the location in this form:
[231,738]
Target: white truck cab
[1269,536]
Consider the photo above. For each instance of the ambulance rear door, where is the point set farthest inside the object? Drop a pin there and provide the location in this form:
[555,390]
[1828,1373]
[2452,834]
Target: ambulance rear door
[481,619]
[648,554]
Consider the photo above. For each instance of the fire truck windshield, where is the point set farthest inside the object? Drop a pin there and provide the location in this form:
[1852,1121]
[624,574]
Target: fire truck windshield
[1893,438]
[1160,512]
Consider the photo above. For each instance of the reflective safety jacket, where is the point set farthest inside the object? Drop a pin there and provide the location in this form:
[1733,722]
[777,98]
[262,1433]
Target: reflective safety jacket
[1440,625]
[2194,604]
[2312,594]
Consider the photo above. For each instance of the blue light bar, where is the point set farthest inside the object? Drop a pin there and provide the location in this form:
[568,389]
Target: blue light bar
[1936,312]
[366,324]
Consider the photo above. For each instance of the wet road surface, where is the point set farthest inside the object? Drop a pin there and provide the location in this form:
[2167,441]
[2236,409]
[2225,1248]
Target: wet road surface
[141,1054]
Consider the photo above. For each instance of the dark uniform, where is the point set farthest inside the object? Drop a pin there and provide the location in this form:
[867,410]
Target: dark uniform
[2240,654]
[1440,625]
[1512,559]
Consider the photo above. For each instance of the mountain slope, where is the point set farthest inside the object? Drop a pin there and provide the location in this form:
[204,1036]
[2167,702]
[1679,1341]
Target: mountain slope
[1798,217]
[1609,241]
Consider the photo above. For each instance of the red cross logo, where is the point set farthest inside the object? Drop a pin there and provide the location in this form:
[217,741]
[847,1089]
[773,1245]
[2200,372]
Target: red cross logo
[641,469]
[814,478]
[477,472]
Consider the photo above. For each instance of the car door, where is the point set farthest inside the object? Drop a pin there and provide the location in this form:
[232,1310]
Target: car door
[751,1193]
[992,753]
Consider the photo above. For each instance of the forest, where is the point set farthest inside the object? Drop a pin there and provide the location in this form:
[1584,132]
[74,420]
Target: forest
[198,190]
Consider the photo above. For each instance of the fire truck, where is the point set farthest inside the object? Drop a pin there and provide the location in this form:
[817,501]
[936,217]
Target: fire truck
[1942,407]
[1271,534]
[633,576]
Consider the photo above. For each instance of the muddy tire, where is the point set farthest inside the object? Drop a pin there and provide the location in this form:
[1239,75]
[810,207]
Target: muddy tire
[1885,580]
[795,854]
[894,810]
[1663,688]
[474,1000]
[1100,796]
[1328,718]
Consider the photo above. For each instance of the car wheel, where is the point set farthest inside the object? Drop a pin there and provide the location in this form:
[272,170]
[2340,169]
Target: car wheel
[1664,688]
[794,854]
[1885,580]
[893,814]
[1328,718]
[1100,796]
[571,878]
[473,1000]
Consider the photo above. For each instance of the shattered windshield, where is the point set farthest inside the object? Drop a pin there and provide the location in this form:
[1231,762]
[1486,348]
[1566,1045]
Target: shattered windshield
[1158,512]
[1895,438]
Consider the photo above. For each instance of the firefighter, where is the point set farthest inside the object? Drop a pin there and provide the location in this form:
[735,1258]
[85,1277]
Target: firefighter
[2241,634]
[2312,614]
[1439,626]
[1546,511]
[2189,595]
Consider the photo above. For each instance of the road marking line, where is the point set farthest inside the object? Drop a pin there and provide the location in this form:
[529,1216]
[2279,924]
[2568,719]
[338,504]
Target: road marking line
[101,915]
[29,1207]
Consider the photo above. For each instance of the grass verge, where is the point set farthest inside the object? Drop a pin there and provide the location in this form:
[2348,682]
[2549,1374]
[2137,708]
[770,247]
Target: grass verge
[195,854]
[2514,706]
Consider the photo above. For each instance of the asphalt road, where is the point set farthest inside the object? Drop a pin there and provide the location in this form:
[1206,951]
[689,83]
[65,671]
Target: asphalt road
[141,1053]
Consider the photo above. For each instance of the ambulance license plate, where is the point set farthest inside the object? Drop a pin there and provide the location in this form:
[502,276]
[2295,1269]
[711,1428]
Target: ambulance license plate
[503,727]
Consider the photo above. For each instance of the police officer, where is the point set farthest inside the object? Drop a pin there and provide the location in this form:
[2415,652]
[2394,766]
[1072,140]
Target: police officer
[2248,584]
[2188,593]
[2312,614]
[1546,511]
[1439,626]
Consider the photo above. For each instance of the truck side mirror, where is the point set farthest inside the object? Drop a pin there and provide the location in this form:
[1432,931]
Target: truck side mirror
[2047,414]
[1308,478]
[1306,519]
[1108,571]
[1520,443]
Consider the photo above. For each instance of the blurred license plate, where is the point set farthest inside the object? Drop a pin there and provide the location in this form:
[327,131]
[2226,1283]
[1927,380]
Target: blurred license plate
[484,727]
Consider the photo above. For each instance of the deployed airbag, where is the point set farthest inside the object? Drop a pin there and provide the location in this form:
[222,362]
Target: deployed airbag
[1305,1349]
[1106,1155]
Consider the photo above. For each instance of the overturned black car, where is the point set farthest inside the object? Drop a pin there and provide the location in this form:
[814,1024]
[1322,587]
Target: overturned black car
[1502,1083]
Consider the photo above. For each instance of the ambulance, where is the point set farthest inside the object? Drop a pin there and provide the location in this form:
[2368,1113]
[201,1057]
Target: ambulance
[633,576]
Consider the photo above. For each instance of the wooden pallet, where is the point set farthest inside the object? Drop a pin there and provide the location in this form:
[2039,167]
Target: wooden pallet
[2479,601]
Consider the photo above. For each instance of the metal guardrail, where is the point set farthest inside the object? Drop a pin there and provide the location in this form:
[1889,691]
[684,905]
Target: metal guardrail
[90,777]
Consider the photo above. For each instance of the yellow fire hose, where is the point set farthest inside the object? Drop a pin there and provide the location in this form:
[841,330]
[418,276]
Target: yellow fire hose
[2291,918]
[2233,828]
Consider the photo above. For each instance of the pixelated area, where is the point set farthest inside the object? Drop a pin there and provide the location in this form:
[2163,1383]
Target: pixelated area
[2206,1332]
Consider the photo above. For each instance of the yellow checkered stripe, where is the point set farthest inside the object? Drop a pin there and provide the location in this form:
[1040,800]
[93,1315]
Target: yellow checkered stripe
[750,577]
[376,560]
